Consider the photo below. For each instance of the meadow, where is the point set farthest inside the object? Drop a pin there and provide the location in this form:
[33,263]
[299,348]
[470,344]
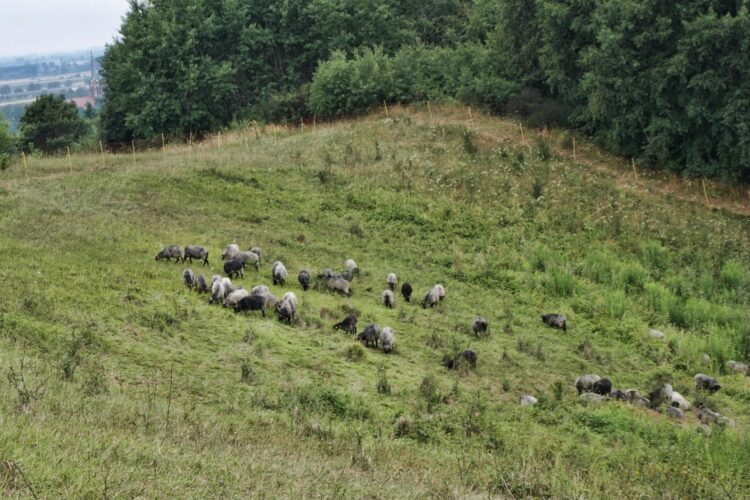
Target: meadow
[117,381]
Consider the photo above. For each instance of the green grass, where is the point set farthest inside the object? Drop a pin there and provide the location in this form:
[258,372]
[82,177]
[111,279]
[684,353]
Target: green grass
[117,381]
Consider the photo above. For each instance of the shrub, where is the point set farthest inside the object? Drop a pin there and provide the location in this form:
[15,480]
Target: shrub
[430,392]
[654,256]
[615,304]
[733,275]
[562,283]
[383,386]
[354,352]
[633,277]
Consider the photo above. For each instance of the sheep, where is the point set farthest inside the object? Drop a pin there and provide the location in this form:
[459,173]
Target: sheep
[387,340]
[256,251]
[705,382]
[630,396]
[406,291]
[328,274]
[556,321]
[602,387]
[200,284]
[217,291]
[351,266]
[431,299]
[480,325]
[527,400]
[248,257]
[188,278]
[370,335]
[708,416]
[656,334]
[304,280]
[391,280]
[339,285]
[263,291]
[441,291]
[286,308]
[234,267]
[196,252]
[348,324]
[230,251]
[591,398]
[585,383]
[737,366]
[279,273]
[252,303]
[677,400]
[468,356]
[348,276]
[675,412]
[234,298]
[388,299]
[169,253]
[228,286]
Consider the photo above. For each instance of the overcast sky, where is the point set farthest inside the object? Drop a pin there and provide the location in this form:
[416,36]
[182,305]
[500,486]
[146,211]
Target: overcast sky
[43,26]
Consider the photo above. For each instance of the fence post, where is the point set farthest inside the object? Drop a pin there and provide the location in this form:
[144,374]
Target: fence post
[635,172]
[101,148]
[132,144]
[574,148]
[163,146]
[70,162]
[25,165]
[429,108]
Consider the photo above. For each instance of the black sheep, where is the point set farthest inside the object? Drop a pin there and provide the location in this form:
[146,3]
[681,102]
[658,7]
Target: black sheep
[304,279]
[234,267]
[349,324]
[252,303]
[556,321]
[602,387]
[469,357]
[406,291]
[370,336]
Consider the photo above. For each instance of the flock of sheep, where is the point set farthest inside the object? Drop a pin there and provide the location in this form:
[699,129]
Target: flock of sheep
[590,387]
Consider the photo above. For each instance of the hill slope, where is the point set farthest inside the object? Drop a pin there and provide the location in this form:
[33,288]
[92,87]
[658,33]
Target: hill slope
[122,382]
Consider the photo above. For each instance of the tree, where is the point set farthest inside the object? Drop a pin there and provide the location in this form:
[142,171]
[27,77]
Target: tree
[5,90]
[7,143]
[50,123]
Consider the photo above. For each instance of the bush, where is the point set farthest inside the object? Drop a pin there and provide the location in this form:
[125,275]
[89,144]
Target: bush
[733,275]
[7,144]
[49,124]
[562,283]
[633,277]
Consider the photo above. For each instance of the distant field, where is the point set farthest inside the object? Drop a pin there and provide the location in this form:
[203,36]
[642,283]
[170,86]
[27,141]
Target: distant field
[117,381]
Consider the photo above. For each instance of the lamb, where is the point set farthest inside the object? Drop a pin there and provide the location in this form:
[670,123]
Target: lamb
[339,285]
[248,257]
[468,356]
[188,278]
[169,253]
[234,298]
[217,291]
[304,280]
[196,252]
[234,267]
[351,266]
[391,280]
[370,335]
[387,340]
[388,299]
[406,291]
[279,273]
[432,298]
[348,324]
[705,382]
[556,321]
[230,251]
[252,303]
[480,325]
[286,308]
[602,387]
[200,284]
[441,291]
[585,383]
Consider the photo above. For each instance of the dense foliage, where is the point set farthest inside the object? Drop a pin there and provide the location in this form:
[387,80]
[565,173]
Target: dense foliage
[50,123]
[665,82]
[7,143]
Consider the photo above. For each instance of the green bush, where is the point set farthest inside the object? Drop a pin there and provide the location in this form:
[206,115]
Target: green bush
[734,275]
[562,283]
[632,277]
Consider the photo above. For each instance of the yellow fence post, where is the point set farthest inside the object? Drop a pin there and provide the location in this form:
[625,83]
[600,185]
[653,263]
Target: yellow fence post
[429,108]
[635,172]
[25,165]
[132,144]
[101,148]
[574,149]
[705,193]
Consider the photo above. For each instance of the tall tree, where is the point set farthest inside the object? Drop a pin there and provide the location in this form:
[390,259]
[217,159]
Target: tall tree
[50,123]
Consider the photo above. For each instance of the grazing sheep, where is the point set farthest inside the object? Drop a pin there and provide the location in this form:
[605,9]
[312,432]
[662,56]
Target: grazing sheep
[630,396]
[480,325]
[304,279]
[656,334]
[556,321]
[737,366]
[252,303]
[328,274]
[230,251]
[406,291]
[256,251]
[370,335]
[196,252]
[391,280]
[431,299]
[351,266]
[441,291]
[348,324]
[347,276]
[705,382]
[228,286]
[388,299]
[585,383]
[677,400]
[234,298]
[286,308]
[602,387]
[675,412]
[591,398]
[468,356]
[528,400]
[661,394]
[279,273]
[169,253]
[708,416]
[188,278]
[387,339]
[248,257]
[217,291]
[234,267]
[200,284]
[339,285]
[263,291]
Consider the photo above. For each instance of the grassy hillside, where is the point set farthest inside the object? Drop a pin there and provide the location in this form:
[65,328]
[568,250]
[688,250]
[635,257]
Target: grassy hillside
[118,381]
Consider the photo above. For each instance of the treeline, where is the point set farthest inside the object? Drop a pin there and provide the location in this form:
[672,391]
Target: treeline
[665,82]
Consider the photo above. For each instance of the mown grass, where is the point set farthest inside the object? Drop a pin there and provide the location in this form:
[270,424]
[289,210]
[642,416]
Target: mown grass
[119,382]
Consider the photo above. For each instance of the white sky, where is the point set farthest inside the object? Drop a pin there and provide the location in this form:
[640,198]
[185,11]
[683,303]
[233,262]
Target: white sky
[44,26]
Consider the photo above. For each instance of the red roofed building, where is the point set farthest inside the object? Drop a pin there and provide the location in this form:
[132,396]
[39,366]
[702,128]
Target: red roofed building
[81,102]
